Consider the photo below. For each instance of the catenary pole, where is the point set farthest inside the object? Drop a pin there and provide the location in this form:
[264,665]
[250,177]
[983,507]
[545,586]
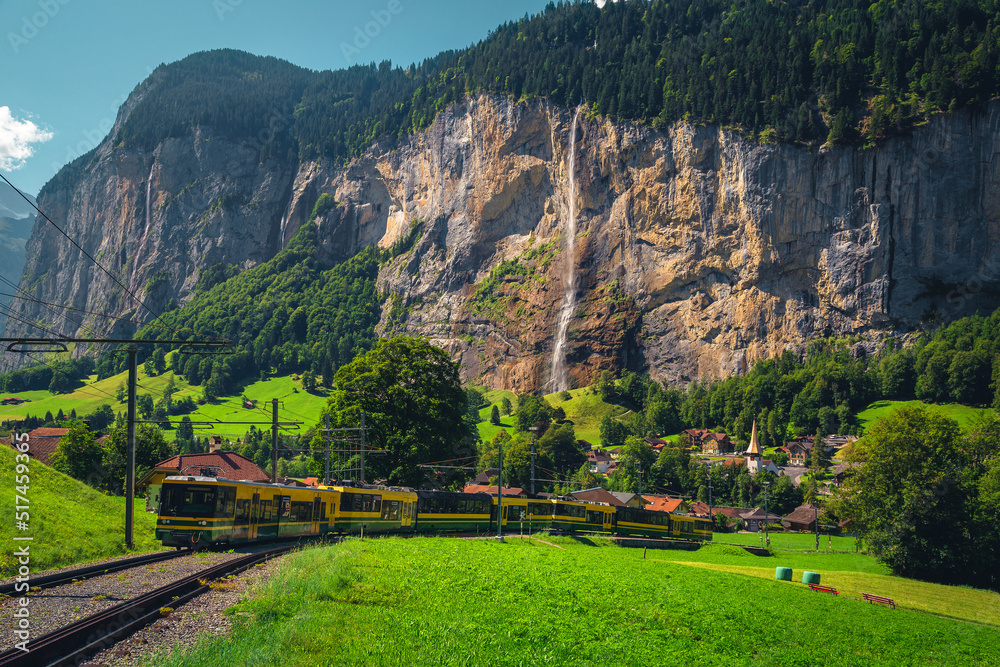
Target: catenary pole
[274,440]
[130,455]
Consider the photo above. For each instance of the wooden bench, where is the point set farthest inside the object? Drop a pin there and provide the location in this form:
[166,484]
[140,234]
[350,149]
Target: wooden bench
[823,589]
[881,600]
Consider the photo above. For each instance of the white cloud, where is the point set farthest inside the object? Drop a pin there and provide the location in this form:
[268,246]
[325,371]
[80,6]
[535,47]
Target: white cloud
[16,139]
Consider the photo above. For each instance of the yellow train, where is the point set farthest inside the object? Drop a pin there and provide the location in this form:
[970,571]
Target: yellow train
[201,511]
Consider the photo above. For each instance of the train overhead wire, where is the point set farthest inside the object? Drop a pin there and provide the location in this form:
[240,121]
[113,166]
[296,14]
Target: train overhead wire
[94,260]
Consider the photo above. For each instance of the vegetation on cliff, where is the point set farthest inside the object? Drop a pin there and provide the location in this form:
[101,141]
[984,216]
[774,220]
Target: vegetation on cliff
[827,70]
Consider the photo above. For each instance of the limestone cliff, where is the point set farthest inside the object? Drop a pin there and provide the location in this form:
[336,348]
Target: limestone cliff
[698,251]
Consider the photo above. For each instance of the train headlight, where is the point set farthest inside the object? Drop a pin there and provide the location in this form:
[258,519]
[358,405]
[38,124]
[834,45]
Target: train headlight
[166,521]
[202,523]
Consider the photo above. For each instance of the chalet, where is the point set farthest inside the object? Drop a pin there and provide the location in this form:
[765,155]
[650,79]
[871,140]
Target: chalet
[841,472]
[657,444]
[710,442]
[228,465]
[629,499]
[598,495]
[802,518]
[755,519]
[838,442]
[42,443]
[598,460]
[483,478]
[664,504]
[698,508]
[798,449]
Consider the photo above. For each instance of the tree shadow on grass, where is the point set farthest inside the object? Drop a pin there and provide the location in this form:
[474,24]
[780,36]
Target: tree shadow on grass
[583,540]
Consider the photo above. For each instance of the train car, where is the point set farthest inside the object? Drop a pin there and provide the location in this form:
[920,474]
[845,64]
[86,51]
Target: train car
[632,521]
[690,528]
[381,510]
[444,511]
[201,511]
[519,513]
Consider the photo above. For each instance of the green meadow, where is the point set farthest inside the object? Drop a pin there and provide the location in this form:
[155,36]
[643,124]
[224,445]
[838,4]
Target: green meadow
[583,601]
[584,410]
[963,414]
[70,522]
[296,404]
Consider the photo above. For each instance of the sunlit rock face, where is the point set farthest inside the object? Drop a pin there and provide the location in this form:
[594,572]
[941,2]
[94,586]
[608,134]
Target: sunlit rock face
[697,250]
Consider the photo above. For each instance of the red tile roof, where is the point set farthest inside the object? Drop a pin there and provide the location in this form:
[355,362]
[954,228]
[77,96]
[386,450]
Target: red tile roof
[661,504]
[43,442]
[230,465]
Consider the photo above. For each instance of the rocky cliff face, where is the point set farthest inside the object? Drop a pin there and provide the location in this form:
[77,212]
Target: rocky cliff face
[697,251]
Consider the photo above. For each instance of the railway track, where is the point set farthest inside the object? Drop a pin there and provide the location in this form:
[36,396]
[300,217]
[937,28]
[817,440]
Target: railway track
[75,642]
[81,573]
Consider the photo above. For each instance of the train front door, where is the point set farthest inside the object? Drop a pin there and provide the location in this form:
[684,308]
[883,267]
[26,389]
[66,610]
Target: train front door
[254,516]
[406,515]
[314,528]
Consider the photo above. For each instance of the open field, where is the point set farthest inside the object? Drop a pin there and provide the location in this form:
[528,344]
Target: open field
[443,601]
[296,403]
[790,541]
[585,410]
[963,414]
[69,521]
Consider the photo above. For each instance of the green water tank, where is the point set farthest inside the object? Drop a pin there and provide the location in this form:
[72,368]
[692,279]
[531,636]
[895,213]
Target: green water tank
[810,577]
[783,573]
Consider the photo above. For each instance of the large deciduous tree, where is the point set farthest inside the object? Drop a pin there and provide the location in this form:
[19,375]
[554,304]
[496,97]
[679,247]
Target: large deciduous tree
[911,496]
[414,407]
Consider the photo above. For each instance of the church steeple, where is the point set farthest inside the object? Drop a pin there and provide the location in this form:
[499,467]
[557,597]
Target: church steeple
[754,452]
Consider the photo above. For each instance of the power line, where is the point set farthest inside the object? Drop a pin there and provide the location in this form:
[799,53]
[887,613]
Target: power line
[92,259]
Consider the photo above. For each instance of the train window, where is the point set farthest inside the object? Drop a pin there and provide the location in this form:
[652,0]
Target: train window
[385,510]
[265,511]
[377,504]
[286,507]
[315,510]
[192,501]
[242,512]
[322,512]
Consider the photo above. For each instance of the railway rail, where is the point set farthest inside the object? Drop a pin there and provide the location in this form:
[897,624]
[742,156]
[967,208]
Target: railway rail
[80,573]
[73,643]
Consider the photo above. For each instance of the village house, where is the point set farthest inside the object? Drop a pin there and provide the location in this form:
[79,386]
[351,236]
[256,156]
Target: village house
[629,499]
[657,444]
[755,519]
[214,463]
[665,504]
[798,450]
[598,495]
[42,443]
[710,442]
[802,518]
[599,461]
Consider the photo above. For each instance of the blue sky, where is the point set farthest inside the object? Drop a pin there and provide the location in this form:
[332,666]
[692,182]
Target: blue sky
[68,64]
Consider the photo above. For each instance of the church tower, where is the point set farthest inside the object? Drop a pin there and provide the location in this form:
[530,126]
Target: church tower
[755,455]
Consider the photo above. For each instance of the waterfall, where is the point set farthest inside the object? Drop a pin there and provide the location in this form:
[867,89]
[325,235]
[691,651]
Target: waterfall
[559,375]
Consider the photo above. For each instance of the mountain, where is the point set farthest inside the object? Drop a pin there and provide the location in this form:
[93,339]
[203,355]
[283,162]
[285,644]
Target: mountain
[697,248]
[16,220]
[13,206]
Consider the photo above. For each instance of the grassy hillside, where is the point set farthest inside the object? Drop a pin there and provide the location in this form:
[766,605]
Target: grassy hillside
[585,410]
[296,402]
[581,602]
[963,414]
[70,522]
